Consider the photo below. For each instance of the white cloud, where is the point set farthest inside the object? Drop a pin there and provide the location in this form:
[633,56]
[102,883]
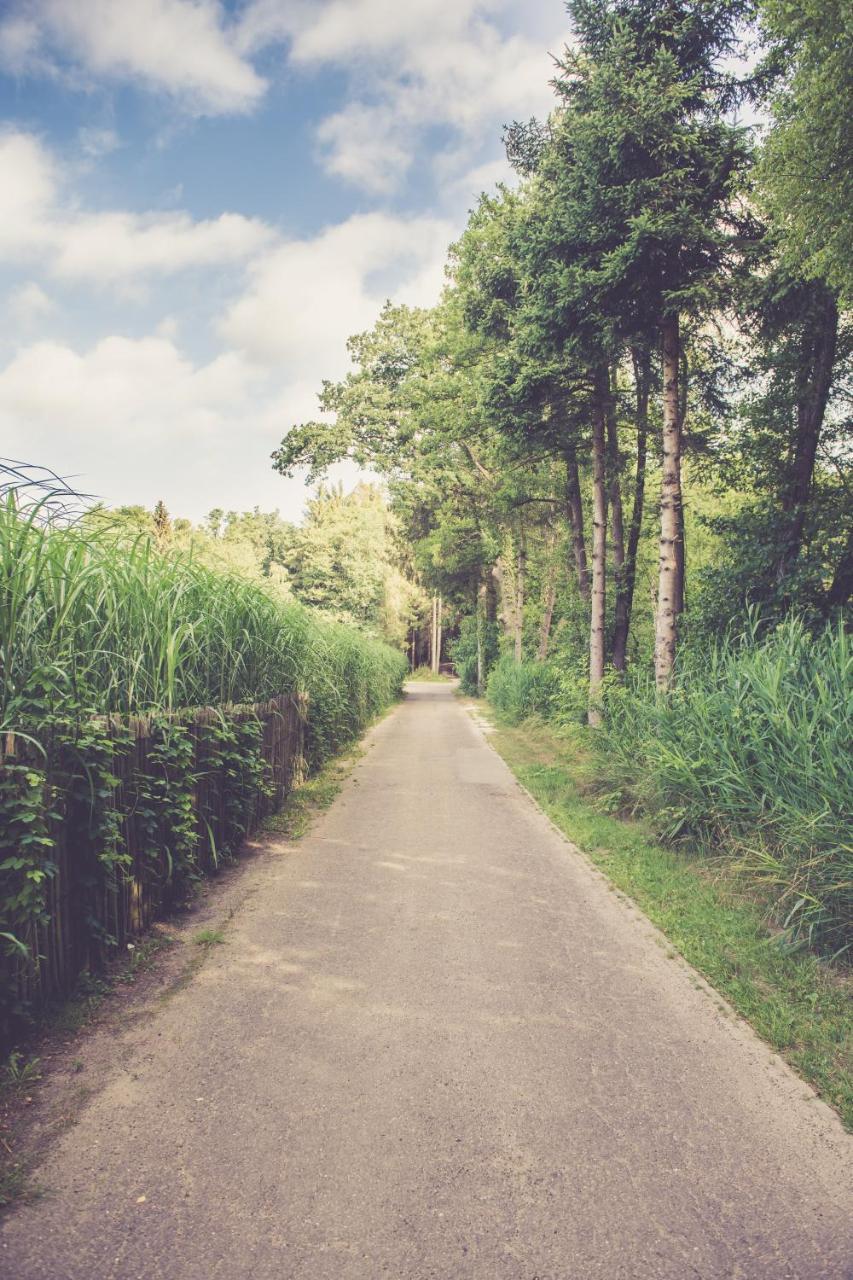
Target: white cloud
[110,414]
[95,142]
[27,188]
[412,67]
[178,46]
[104,246]
[409,66]
[306,297]
[135,420]
[366,145]
[75,245]
[28,304]
[143,389]
[132,421]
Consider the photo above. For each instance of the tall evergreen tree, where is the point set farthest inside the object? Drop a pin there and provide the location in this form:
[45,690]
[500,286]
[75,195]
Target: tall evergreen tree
[646,225]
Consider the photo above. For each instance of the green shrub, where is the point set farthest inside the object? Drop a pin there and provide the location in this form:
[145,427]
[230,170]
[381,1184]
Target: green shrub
[520,689]
[752,755]
[470,651]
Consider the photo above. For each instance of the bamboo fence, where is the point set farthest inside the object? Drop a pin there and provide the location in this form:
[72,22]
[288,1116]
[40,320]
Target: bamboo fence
[90,918]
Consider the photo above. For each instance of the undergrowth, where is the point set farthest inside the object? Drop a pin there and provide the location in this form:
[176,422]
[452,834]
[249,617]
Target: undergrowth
[748,758]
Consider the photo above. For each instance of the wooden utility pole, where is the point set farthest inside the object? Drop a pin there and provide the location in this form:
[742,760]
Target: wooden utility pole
[438,642]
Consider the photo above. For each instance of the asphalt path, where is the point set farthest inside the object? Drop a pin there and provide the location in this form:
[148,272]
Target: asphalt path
[438,1045]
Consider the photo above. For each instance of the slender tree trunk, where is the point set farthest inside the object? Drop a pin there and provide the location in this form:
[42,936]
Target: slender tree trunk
[811,407]
[438,640]
[493,581]
[480,605]
[574,509]
[680,584]
[547,616]
[625,599]
[550,596]
[617,530]
[432,634]
[599,546]
[670,589]
[842,581]
[520,568]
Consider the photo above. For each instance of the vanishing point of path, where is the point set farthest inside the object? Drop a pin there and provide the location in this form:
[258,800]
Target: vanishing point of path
[436,1045]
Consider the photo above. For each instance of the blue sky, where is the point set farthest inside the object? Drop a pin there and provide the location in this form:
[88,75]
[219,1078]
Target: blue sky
[199,202]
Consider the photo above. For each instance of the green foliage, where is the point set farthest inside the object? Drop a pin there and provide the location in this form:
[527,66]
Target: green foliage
[345,560]
[96,631]
[753,757]
[518,690]
[634,200]
[164,805]
[805,176]
[475,651]
[26,849]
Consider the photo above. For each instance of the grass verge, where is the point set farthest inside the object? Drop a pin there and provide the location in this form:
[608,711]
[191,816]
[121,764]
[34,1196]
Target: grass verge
[311,797]
[800,1005]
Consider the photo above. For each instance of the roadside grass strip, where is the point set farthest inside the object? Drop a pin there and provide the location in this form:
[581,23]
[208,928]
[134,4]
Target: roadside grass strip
[796,1002]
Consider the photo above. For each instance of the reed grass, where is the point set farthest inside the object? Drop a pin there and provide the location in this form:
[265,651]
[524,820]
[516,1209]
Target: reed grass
[749,757]
[752,756]
[90,625]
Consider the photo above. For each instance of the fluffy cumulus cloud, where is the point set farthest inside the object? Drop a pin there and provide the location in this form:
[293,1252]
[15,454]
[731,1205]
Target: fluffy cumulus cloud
[109,415]
[106,417]
[306,297]
[28,304]
[147,385]
[89,411]
[36,222]
[408,67]
[412,67]
[178,46]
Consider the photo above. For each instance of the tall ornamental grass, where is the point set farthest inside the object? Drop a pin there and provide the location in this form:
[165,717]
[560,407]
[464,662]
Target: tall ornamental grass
[752,755]
[104,647]
[89,625]
[518,690]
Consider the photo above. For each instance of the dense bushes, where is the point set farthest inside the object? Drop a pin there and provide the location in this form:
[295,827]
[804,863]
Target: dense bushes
[750,756]
[109,762]
[520,689]
[474,652]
